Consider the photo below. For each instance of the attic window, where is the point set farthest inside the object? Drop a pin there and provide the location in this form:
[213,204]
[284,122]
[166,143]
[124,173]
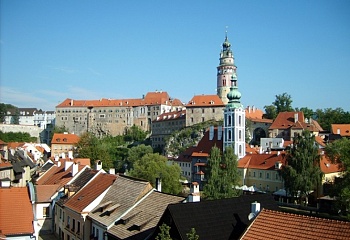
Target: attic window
[347,131]
[58,139]
[64,139]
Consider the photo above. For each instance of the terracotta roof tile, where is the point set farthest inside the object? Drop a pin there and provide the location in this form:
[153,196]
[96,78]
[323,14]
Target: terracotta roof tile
[45,192]
[327,166]
[286,120]
[205,101]
[342,129]
[90,192]
[278,225]
[254,113]
[62,138]
[16,212]
[261,161]
[15,145]
[5,164]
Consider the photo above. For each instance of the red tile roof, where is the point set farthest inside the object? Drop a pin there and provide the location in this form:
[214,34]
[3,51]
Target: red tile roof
[278,225]
[64,138]
[45,192]
[15,145]
[2,142]
[327,166]
[342,129]
[261,161]
[286,120]
[57,175]
[254,113]
[151,98]
[205,145]
[205,101]
[16,212]
[5,164]
[90,192]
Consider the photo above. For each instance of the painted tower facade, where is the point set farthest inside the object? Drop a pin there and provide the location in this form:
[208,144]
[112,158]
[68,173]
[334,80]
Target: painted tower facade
[234,120]
[225,70]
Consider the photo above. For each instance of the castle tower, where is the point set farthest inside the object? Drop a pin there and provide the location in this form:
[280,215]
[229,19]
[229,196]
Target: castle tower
[225,70]
[234,120]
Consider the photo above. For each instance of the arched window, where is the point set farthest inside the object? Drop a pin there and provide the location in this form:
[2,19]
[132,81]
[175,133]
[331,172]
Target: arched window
[240,120]
[229,135]
[229,120]
[240,149]
[240,135]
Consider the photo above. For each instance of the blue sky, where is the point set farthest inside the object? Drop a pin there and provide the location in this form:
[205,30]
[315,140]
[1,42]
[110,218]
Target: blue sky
[53,50]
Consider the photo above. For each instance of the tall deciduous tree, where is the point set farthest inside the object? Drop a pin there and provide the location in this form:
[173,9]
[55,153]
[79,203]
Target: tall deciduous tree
[283,103]
[302,173]
[137,152]
[270,111]
[339,152]
[221,174]
[330,116]
[152,166]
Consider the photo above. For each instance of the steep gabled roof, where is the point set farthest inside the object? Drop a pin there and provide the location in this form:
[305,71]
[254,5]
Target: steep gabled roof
[342,129]
[64,138]
[143,218]
[205,145]
[286,120]
[205,101]
[45,192]
[122,195]
[216,219]
[16,212]
[90,192]
[279,225]
[262,161]
[327,166]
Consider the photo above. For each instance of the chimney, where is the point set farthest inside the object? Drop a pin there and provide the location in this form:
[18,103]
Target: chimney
[112,171]
[56,158]
[70,154]
[194,193]
[296,117]
[255,207]
[5,183]
[63,155]
[75,168]
[338,131]
[98,165]
[67,164]
[58,163]
[159,184]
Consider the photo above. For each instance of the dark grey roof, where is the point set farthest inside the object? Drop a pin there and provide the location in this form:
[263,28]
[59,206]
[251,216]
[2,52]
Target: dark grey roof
[46,166]
[83,178]
[217,219]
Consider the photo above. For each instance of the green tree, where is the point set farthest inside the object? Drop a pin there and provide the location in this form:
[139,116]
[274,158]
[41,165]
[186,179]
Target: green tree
[308,113]
[58,129]
[339,152]
[222,174]
[136,153]
[152,166]
[283,103]
[330,116]
[302,173]
[192,235]
[135,134]
[17,137]
[270,112]
[3,110]
[164,232]
[89,146]
[15,117]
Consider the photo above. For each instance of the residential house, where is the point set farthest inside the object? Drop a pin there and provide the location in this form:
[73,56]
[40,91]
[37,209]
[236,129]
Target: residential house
[6,171]
[203,108]
[50,187]
[341,129]
[76,208]
[16,213]
[215,219]
[270,224]
[62,144]
[262,171]
[289,124]
[3,149]
[114,116]
[164,125]
[141,220]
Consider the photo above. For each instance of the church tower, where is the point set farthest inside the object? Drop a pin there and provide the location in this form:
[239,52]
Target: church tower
[234,120]
[225,70]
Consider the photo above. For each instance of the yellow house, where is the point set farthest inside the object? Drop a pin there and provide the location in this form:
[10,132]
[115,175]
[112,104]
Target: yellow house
[262,171]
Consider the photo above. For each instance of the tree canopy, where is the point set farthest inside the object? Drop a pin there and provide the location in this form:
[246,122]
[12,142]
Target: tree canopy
[3,111]
[221,174]
[152,166]
[282,103]
[17,137]
[302,173]
[339,152]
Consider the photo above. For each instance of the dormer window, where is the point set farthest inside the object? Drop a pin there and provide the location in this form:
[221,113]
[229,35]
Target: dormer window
[64,139]
[58,139]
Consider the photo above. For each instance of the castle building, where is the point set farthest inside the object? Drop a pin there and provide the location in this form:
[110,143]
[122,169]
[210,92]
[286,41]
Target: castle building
[225,70]
[234,121]
[114,116]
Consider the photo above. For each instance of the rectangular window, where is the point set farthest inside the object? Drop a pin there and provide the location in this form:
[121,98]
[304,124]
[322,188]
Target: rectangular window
[73,225]
[102,116]
[260,175]
[46,212]
[267,175]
